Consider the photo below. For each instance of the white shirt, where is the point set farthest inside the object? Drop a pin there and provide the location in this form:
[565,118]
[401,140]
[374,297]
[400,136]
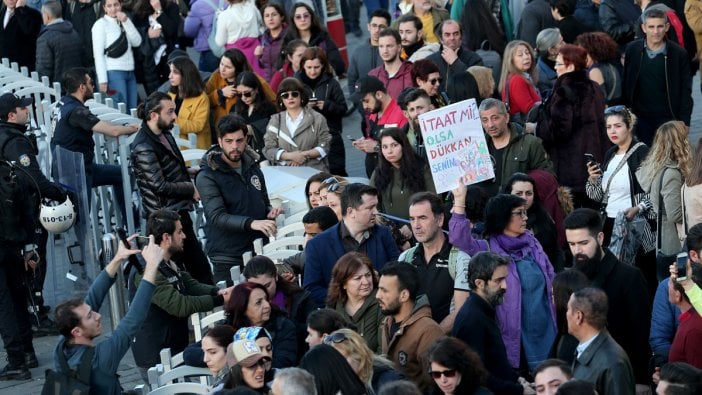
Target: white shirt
[8,15]
[583,346]
[620,189]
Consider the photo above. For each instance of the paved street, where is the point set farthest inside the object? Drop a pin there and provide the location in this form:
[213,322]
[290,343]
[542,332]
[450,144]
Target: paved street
[129,375]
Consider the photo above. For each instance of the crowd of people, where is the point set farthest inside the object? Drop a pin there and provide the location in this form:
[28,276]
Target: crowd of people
[576,269]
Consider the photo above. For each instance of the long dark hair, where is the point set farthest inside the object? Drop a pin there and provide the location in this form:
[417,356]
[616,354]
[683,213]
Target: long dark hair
[315,27]
[261,265]
[191,84]
[261,102]
[235,309]
[332,373]
[536,210]
[454,354]
[479,24]
[238,60]
[143,8]
[410,165]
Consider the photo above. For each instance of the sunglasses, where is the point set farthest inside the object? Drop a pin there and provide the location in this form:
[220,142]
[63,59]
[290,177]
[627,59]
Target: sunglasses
[336,187]
[435,81]
[448,373]
[264,363]
[615,109]
[300,17]
[293,94]
[335,338]
[245,94]
[331,180]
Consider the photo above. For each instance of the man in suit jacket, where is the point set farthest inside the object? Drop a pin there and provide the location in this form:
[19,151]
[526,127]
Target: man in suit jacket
[19,24]
[599,359]
[357,231]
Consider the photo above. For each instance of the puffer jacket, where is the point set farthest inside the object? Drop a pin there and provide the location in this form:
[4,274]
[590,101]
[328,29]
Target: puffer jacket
[229,215]
[408,346]
[272,51]
[328,89]
[161,175]
[59,48]
[620,19]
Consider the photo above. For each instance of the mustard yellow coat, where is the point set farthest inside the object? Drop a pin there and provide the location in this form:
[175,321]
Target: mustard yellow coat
[194,117]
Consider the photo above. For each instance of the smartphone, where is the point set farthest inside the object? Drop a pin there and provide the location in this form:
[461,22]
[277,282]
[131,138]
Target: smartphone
[141,242]
[681,265]
[590,158]
[313,99]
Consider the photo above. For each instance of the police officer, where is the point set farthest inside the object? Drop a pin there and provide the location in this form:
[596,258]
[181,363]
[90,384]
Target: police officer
[18,238]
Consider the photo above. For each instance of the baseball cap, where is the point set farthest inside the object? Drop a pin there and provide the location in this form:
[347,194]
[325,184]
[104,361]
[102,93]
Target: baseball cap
[244,353]
[9,102]
[365,86]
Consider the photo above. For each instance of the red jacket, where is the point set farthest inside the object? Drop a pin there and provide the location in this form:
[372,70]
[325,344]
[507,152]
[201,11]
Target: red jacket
[395,85]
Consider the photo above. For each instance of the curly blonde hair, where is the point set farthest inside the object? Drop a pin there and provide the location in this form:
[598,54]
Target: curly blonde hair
[670,146]
[508,67]
[356,349]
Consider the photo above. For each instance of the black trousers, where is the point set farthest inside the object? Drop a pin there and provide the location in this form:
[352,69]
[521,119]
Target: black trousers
[193,259]
[15,327]
[337,155]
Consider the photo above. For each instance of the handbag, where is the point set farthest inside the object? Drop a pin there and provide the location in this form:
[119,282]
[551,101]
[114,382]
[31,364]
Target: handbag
[118,47]
[603,207]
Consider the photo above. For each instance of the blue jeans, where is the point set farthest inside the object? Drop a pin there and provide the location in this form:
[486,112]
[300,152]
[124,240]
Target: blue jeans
[124,83]
[208,62]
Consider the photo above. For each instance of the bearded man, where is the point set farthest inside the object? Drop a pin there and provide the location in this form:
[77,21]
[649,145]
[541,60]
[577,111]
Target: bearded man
[629,315]
[164,180]
[235,198]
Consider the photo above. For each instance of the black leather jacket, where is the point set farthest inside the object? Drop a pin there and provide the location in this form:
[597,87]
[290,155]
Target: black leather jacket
[161,175]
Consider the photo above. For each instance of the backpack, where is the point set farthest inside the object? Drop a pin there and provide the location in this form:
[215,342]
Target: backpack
[452,259]
[216,49]
[75,382]
[491,59]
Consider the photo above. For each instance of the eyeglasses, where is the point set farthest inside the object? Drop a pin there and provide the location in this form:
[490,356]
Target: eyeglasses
[300,17]
[559,64]
[335,338]
[293,94]
[448,373]
[245,94]
[435,81]
[615,109]
[520,213]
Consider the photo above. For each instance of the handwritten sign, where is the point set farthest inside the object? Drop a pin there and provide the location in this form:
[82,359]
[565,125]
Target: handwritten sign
[455,145]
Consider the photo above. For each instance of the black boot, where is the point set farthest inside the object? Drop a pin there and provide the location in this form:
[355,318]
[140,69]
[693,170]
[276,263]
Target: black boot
[15,372]
[30,360]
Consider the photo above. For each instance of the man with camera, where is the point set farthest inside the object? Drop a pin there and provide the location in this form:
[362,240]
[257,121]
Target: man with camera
[176,297]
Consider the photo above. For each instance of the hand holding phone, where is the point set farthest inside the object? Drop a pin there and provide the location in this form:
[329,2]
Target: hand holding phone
[681,266]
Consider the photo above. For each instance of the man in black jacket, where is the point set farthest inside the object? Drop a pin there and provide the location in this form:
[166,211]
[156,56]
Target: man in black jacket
[452,57]
[19,28]
[59,48]
[163,178]
[235,198]
[599,360]
[629,316]
[657,84]
[477,326]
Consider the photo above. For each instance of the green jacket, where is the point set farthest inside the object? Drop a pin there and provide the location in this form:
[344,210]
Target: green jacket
[394,200]
[523,153]
[166,323]
[367,320]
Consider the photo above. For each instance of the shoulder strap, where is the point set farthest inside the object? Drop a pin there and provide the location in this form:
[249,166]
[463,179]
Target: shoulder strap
[659,215]
[613,72]
[409,254]
[452,259]
[83,371]
[684,213]
[619,167]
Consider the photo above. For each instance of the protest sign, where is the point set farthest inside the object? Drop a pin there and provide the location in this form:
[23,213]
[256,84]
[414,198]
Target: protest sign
[455,145]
